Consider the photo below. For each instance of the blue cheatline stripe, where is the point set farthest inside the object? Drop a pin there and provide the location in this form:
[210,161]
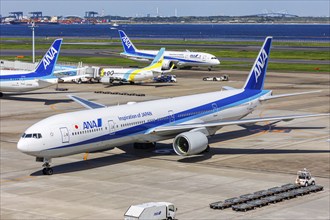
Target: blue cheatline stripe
[26,76]
[245,96]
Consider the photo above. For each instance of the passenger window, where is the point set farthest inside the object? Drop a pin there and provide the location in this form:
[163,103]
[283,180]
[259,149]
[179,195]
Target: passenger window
[171,208]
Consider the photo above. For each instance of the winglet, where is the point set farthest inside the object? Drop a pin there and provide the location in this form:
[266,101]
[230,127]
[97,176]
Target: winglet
[127,44]
[48,62]
[257,74]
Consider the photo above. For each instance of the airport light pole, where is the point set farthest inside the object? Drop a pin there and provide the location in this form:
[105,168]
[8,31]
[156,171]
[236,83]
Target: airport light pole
[33,50]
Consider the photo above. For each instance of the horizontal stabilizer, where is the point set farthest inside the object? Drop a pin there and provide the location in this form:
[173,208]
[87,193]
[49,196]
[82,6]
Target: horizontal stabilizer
[86,103]
[69,70]
[228,88]
[44,83]
[70,78]
[287,95]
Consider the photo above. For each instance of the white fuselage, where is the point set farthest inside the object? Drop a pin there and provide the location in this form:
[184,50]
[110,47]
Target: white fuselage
[181,58]
[125,75]
[15,81]
[99,129]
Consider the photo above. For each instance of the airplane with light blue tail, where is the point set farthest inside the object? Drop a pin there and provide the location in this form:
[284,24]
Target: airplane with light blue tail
[188,120]
[180,59]
[42,77]
[133,75]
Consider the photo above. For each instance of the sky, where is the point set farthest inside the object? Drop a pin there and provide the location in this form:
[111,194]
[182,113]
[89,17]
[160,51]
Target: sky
[136,8]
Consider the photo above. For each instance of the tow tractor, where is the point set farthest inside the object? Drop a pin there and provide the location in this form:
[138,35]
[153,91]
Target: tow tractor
[304,178]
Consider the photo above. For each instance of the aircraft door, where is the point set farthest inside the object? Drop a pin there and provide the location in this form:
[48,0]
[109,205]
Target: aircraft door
[22,82]
[171,116]
[65,135]
[112,127]
[215,109]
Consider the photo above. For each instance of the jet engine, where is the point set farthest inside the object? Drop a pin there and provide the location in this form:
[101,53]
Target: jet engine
[167,64]
[190,143]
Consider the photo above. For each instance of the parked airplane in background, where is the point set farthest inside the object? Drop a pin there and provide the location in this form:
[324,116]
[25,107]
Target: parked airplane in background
[41,77]
[109,75]
[187,119]
[179,59]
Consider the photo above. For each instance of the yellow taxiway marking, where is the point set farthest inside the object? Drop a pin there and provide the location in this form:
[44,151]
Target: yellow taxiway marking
[17,179]
[54,108]
[86,156]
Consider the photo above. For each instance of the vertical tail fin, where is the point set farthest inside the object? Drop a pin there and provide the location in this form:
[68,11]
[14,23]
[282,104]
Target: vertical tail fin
[127,44]
[48,62]
[257,74]
[157,63]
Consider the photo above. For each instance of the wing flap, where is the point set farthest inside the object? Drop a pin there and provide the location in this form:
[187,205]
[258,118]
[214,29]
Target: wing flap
[185,127]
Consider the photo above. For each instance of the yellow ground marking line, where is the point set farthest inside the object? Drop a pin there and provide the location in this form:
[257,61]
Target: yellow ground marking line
[17,179]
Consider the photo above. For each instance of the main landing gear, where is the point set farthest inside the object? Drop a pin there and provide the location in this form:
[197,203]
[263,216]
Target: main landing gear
[47,170]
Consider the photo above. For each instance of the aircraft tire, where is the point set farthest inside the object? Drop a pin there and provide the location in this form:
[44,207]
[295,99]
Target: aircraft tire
[50,171]
[47,171]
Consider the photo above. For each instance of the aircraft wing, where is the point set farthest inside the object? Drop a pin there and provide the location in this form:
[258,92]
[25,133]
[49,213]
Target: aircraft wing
[186,127]
[86,103]
[137,58]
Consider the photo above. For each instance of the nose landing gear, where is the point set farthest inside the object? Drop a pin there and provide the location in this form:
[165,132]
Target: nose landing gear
[47,170]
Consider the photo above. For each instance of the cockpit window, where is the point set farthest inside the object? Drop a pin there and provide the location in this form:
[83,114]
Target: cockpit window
[35,135]
[213,58]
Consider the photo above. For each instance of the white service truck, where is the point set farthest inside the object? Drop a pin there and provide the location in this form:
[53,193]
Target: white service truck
[151,211]
[304,178]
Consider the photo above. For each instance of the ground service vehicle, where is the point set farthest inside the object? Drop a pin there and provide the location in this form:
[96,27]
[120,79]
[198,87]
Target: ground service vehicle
[151,211]
[165,78]
[304,178]
[221,78]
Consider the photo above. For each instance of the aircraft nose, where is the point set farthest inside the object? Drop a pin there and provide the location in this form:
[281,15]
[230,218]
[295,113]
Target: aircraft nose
[217,61]
[22,146]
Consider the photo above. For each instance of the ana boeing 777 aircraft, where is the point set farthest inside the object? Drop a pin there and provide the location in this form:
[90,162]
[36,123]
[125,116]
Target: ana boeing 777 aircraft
[177,58]
[109,75]
[41,77]
[187,119]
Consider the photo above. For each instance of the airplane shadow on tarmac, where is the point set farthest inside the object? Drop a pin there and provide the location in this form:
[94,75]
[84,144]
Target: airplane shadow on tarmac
[22,98]
[162,149]
[141,84]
